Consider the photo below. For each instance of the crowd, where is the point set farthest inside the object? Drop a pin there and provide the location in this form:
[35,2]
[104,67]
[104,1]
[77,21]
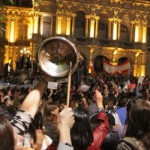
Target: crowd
[106,112]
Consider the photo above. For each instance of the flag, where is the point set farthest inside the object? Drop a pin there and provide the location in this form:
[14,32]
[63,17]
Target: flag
[124,68]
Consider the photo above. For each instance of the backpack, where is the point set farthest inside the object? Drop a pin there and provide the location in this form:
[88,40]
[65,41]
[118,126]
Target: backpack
[129,143]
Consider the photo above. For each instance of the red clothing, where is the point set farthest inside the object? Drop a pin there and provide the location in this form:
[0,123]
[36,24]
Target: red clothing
[52,147]
[100,132]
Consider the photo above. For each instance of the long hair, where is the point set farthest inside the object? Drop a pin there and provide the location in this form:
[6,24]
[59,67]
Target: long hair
[81,133]
[139,122]
[7,141]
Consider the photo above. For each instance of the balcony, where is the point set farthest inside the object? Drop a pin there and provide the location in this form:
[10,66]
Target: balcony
[107,43]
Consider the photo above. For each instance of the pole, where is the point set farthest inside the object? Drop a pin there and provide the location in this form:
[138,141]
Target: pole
[69,84]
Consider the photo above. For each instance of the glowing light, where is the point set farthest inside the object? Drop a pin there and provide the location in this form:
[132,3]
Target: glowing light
[136,33]
[115,52]
[12,31]
[41,25]
[137,54]
[144,35]
[36,22]
[68,26]
[142,70]
[90,67]
[92,28]
[89,70]
[30,28]
[115,30]
[59,25]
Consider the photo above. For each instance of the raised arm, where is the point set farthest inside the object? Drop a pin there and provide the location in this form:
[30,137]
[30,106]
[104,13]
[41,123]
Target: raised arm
[28,109]
[99,99]
[65,123]
[31,102]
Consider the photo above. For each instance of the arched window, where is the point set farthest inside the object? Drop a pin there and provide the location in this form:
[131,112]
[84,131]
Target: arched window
[98,63]
[122,60]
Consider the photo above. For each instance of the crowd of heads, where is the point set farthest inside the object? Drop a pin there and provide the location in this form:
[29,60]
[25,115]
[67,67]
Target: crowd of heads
[118,91]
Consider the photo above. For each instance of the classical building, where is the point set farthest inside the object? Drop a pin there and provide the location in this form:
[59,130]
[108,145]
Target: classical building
[113,29]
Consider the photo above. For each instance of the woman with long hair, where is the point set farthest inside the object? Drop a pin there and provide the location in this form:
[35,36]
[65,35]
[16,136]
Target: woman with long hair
[6,133]
[88,133]
[138,127]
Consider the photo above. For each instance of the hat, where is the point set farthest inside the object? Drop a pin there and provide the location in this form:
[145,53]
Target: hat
[92,109]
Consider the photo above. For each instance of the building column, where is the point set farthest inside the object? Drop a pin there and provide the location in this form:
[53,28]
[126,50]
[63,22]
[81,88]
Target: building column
[110,28]
[30,28]
[12,31]
[143,70]
[36,24]
[51,26]
[41,25]
[144,32]
[92,27]
[68,25]
[115,29]
[143,64]
[119,24]
[96,26]
[73,24]
[17,28]
[58,24]
[6,55]
[136,31]
[87,26]
[131,31]
[135,66]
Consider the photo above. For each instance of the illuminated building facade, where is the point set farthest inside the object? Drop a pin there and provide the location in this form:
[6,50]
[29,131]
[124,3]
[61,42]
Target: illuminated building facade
[114,29]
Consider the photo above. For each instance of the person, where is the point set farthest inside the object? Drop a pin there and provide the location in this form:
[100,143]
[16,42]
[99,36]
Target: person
[8,101]
[51,112]
[138,127]
[81,134]
[6,133]
[112,137]
[19,124]
[65,123]
[121,109]
[109,106]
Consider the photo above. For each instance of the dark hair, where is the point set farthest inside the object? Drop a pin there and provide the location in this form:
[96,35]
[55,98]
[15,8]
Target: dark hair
[81,133]
[8,111]
[49,107]
[122,100]
[139,122]
[6,135]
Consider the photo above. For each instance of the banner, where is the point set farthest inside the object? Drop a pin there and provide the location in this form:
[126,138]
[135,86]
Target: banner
[5,85]
[123,68]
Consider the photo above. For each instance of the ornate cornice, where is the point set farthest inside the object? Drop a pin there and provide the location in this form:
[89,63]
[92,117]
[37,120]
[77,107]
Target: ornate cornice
[17,11]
